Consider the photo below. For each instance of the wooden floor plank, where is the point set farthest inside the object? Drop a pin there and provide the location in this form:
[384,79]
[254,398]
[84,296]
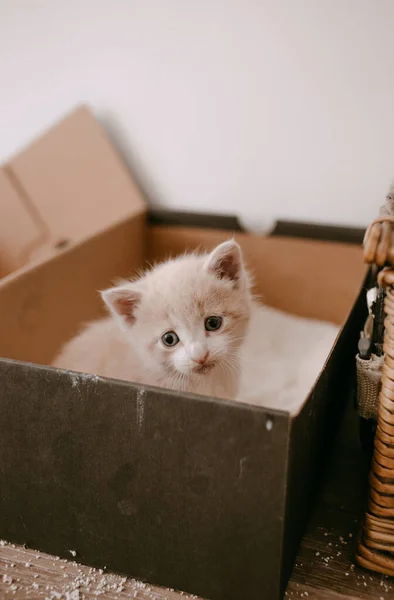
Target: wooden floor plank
[26,574]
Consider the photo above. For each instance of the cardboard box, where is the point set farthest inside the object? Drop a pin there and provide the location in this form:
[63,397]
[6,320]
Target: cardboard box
[181,490]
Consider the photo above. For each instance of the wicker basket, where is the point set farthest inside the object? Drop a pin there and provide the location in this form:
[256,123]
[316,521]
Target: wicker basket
[375,550]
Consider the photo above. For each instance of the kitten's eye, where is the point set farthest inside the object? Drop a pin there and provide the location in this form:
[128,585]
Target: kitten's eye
[213,323]
[170,338]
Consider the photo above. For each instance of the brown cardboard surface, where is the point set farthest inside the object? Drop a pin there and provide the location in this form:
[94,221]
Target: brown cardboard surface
[43,305]
[20,232]
[309,278]
[75,182]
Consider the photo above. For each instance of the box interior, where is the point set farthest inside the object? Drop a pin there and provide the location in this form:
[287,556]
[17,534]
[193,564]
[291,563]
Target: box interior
[305,277]
[43,305]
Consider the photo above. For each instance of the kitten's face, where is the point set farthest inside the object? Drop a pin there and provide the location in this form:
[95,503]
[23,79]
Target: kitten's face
[187,318]
[191,331]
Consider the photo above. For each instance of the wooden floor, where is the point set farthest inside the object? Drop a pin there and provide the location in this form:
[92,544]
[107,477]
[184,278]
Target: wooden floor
[324,569]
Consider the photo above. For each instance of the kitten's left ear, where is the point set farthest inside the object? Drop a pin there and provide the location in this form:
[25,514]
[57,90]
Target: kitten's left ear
[122,303]
[225,262]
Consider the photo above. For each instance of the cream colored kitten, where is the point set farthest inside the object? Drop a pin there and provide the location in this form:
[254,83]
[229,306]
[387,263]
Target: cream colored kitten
[179,326]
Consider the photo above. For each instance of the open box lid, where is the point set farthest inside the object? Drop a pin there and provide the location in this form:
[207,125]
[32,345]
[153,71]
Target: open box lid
[69,184]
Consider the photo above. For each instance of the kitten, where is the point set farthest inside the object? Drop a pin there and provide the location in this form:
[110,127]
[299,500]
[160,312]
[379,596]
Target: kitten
[180,326]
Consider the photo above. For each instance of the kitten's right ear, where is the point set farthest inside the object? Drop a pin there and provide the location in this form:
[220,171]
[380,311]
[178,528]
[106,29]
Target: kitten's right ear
[122,303]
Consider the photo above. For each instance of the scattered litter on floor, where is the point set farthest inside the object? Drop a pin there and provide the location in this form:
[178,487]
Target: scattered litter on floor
[79,582]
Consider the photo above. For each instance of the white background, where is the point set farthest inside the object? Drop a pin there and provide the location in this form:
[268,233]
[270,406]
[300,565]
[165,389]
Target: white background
[270,108]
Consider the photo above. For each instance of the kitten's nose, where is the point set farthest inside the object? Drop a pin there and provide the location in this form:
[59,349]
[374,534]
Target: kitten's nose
[202,359]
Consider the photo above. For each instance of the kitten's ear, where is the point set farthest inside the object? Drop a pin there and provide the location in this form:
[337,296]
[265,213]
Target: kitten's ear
[225,262]
[122,302]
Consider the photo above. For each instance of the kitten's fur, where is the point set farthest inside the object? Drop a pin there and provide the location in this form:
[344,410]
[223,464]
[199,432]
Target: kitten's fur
[175,296]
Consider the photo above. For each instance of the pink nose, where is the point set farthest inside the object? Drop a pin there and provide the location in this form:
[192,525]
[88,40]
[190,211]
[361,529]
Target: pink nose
[202,360]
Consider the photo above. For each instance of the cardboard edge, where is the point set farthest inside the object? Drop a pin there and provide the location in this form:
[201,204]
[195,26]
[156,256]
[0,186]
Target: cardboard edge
[45,129]
[275,413]
[72,247]
[298,229]
[283,578]
[15,205]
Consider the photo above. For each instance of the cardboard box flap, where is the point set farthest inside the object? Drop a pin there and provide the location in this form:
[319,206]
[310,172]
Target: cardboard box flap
[20,228]
[75,180]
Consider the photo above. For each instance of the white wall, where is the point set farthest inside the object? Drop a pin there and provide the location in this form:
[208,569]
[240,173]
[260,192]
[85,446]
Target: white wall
[276,108]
